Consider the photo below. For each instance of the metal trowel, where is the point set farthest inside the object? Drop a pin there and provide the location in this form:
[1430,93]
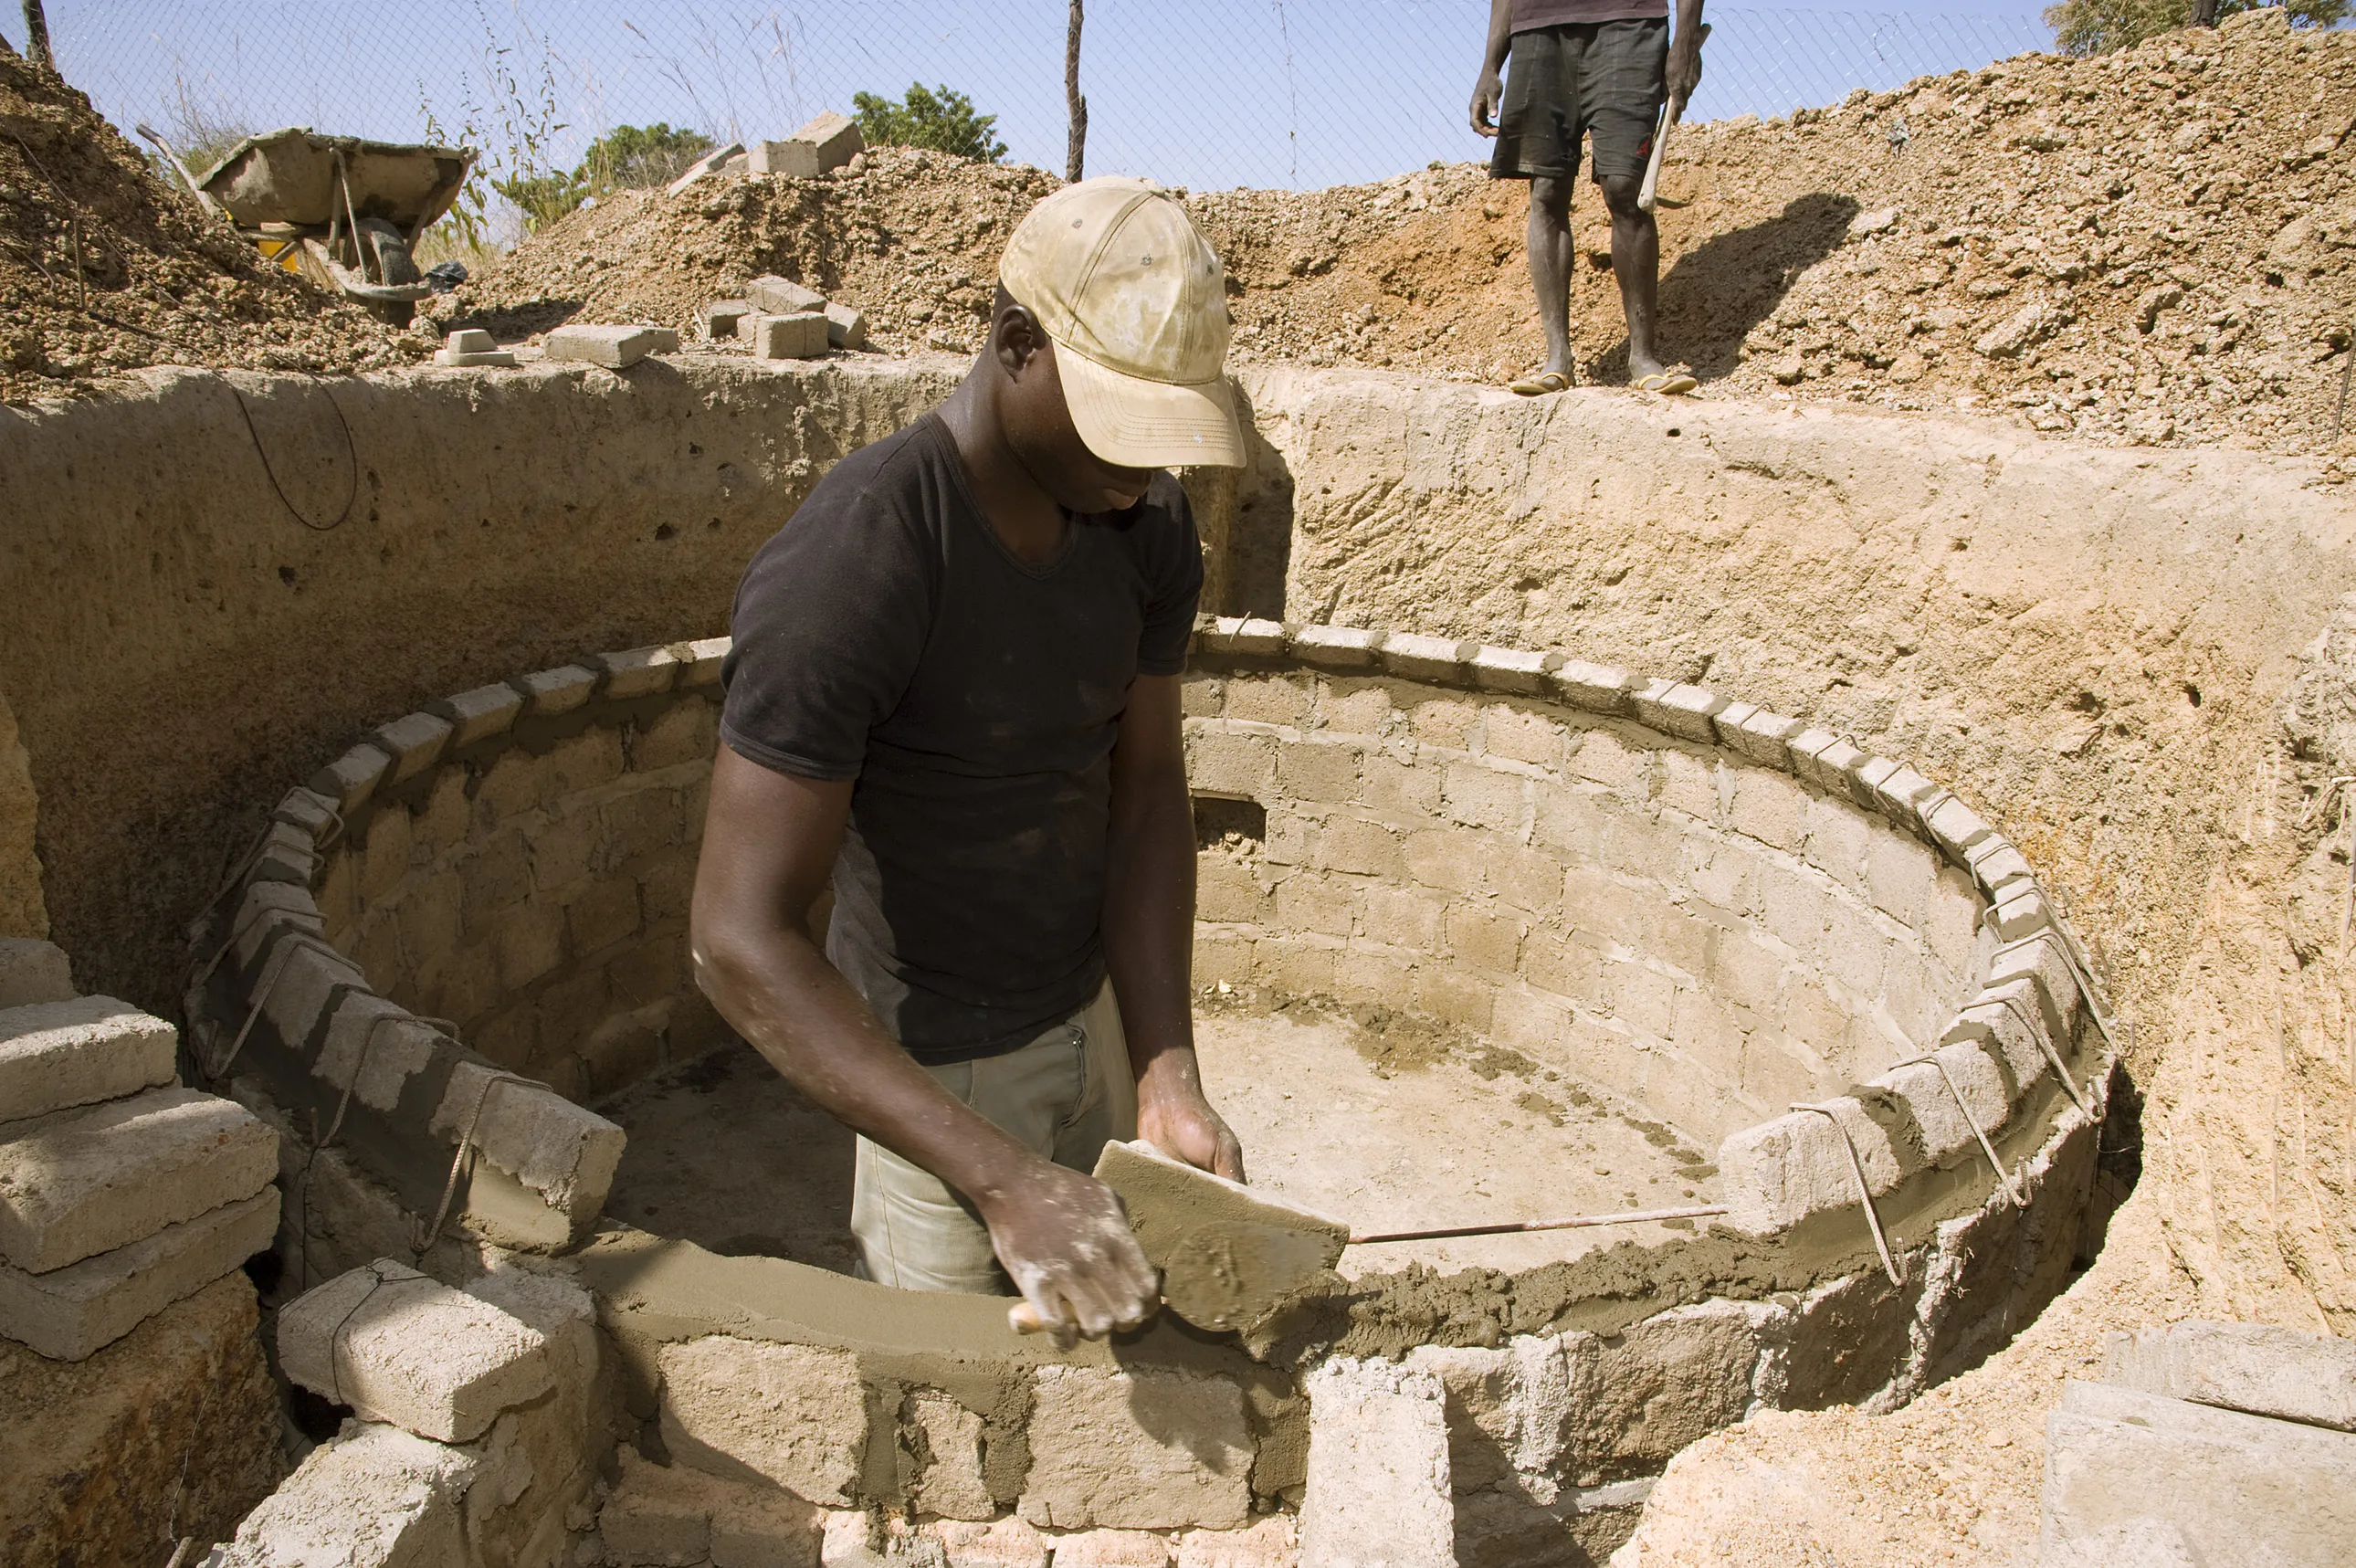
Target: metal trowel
[1228,1256]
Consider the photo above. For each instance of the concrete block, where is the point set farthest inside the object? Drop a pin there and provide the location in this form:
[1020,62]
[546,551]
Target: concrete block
[837,139]
[1513,669]
[1240,635]
[1010,1542]
[472,346]
[2003,1022]
[1779,1172]
[1437,659]
[950,1485]
[1223,762]
[565,1153]
[1641,1396]
[287,853]
[1347,648]
[1378,1494]
[374,1497]
[615,347]
[1595,688]
[797,337]
[352,778]
[2041,961]
[68,1313]
[1901,795]
[1832,768]
[1142,1450]
[846,326]
[80,1183]
[1674,708]
[31,971]
[548,693]
[776,295]
[720,316]
[56,1055]
[792,1414]
[1273,1542]
[711,162]
[2228,1487]
[1955,827]
[698,662]
[1940,1121]
[1110,1549]
[374,1048]
[480,714]
[1763,737]
[400,1347]
[673,1517]
[1997,865]
[2020,913]
[2259,1369]
[788,159]
[850,1538]
[311,812]
[636,672]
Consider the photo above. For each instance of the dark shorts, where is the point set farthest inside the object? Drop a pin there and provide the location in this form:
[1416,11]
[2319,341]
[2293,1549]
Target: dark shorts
[1606,80]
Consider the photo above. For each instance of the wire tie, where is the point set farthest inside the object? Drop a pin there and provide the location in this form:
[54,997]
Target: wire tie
[1864,1192]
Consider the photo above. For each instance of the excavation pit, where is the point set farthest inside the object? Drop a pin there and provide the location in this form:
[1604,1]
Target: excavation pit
[1483,935]
[1447,884]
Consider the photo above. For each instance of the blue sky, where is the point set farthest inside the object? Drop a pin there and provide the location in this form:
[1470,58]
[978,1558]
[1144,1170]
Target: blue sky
[1196,92]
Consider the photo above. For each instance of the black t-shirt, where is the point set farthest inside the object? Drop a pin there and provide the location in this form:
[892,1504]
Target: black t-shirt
[886,634]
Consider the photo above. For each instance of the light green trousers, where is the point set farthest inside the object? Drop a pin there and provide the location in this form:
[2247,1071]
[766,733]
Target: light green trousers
[1064,1095]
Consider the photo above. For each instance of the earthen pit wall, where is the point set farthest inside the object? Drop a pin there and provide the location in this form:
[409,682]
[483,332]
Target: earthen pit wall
[1709,938]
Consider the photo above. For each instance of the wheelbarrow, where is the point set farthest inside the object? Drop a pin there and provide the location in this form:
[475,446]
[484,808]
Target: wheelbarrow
[342,211]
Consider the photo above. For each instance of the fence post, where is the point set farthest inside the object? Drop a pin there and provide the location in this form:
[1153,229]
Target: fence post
[1075,144]
[37,36]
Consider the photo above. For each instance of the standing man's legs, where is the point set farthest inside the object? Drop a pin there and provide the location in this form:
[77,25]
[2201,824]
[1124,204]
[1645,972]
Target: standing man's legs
[1551,259]
[1636,263]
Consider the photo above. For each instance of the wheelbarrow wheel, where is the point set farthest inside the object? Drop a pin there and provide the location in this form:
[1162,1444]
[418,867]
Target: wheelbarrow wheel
[389,248]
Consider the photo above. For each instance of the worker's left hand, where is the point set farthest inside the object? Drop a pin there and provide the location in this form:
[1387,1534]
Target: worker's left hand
[1174,1117]
[1684,68]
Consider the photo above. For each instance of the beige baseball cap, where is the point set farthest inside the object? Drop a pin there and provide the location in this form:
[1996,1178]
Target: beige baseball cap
[1135,302]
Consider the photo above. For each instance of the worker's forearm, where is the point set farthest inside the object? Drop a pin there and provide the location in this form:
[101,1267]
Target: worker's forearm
[1149,923]
[1689,17]
[774,988]
[1501,36]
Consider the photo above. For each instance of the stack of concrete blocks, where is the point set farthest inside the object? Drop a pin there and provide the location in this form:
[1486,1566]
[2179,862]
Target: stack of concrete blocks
[478,1423]
[785,321]
[2206,1443]
[471,346]
[121,1192]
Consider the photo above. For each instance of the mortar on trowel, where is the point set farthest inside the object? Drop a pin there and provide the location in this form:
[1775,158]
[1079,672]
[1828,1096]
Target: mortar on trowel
[1229,1257]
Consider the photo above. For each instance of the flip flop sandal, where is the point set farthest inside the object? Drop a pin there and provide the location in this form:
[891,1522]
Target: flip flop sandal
[1669,383]
[1539,386]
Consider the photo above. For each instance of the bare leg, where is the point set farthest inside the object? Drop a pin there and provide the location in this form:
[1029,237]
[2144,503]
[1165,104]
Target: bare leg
[1636,262]
[1550,265]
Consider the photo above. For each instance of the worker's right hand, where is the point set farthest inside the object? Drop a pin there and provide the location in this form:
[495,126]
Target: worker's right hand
[1066,1242]
[1487,95]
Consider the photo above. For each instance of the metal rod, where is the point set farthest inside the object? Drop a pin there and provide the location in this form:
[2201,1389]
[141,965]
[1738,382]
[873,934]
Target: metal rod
[1577,1222]
[1864,1191]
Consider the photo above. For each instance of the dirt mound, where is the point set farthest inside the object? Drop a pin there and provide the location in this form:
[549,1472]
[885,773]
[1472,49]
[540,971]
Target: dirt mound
[2149,247]
[103,269]
[911,237]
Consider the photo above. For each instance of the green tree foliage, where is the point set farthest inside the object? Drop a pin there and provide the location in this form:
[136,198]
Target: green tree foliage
[2098,27]
[940,119]
[627,157]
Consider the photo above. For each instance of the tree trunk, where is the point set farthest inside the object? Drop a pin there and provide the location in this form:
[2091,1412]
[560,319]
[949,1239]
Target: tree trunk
[1077,144]
[37,37]
[2204,12]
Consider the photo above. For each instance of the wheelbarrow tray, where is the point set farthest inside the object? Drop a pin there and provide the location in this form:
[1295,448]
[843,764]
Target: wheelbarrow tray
[288,175]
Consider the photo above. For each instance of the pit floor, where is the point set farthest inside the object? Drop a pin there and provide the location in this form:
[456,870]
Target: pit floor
[1387,1128]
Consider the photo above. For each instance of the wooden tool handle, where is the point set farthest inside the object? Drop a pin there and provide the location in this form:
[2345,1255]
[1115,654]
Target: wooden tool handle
[1023,1318]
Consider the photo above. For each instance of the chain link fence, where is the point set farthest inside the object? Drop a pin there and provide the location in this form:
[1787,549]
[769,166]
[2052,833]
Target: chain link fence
[1209,93]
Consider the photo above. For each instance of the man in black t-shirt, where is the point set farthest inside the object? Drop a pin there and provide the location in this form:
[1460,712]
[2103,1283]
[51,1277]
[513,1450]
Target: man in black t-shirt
[954,687]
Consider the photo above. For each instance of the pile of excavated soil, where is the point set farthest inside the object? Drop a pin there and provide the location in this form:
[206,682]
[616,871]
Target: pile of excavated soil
[2149,247]
[103,268]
